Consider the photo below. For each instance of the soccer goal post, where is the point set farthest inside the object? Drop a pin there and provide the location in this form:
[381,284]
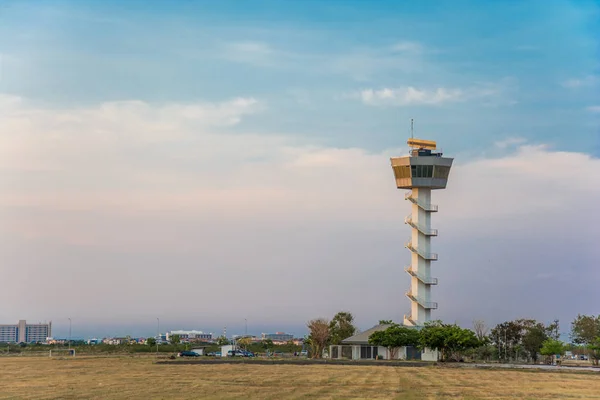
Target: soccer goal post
[62,352]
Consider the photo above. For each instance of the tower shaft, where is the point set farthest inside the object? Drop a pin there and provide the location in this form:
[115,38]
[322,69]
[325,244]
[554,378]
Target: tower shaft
[421,172]
[420,267]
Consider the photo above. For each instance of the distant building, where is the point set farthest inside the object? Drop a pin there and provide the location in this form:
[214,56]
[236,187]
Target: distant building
[278,336]
[191,336]
[25,333]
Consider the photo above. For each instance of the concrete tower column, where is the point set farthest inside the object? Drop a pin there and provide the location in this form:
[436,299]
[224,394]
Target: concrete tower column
[421,172]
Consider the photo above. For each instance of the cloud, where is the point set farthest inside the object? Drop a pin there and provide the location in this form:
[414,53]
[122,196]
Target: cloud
[360,64]
[410,96]
[407,46]
[587,81]
[485,93]
[88,196]
[251,52]
[509,142]
[593,109]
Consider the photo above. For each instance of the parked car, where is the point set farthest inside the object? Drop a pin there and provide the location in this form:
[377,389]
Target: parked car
[187,354]
[239,353]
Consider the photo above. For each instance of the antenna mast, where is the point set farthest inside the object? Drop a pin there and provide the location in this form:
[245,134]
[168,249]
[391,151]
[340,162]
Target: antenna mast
[411,129]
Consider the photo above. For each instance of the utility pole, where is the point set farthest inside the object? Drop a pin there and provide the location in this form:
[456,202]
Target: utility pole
[157,334]
[69,336]
[246,330]
[505,345]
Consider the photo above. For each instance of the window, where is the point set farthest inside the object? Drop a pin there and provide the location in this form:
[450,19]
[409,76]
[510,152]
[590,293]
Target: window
[441,172]
[365,351]
[422,171]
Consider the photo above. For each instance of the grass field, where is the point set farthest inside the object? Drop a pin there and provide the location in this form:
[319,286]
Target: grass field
[140,378]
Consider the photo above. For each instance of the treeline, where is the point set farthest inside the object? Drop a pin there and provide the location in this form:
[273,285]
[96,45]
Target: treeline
[521,340]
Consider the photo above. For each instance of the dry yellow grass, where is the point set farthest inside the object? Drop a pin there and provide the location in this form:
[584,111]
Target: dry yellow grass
[140,378]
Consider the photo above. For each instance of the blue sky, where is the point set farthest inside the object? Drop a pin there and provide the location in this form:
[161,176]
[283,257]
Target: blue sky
[307,59]
[199,118]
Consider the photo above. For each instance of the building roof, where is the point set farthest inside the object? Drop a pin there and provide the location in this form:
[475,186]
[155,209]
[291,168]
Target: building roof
[363,337]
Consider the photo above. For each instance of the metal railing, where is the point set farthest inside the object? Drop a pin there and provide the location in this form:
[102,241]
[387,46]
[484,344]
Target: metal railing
[426,207]
[431,305]
[426,256]
[427,232]
[425,280]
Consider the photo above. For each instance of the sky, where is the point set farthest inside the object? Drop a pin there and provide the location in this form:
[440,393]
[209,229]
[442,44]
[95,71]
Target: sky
[213,164]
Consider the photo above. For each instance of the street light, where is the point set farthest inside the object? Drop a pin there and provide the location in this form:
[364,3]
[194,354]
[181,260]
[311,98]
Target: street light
[246,331]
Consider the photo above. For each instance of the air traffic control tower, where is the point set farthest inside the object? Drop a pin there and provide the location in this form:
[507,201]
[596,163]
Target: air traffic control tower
[424,170]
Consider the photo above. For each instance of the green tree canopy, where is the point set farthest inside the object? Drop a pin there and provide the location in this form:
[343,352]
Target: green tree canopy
[175,339]
[393,337]
[341,327]
[533,339]
[585,329]
[522,337]
[222,340]
[450,340]
[552,347]
[151,341]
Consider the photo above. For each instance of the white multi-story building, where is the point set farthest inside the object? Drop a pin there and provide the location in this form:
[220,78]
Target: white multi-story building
[190,335]
[25,333]
[278,336]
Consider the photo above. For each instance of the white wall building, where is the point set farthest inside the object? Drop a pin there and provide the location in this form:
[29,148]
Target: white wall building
[190,335]
[25,333]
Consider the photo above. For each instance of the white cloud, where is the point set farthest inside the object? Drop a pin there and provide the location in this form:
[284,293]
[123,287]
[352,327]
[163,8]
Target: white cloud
[407,46]
[509,142]
[410,96]
[593,109]
[87,195]
[587,81]
[486,93]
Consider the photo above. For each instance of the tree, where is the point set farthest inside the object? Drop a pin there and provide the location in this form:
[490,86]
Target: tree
[222,341]
[594,347]
[506,336]
[151,341]
[585,329]
[394,337]
[318,336]
[521,337]
[480,329]
[175,339]
[450,340]
[341,327]
[533,340]
[267,344]
[244,342]
[385,322]
[553,330]
[552,347]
